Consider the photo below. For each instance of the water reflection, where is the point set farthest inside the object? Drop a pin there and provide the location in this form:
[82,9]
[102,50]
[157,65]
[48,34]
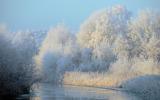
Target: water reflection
[50,92]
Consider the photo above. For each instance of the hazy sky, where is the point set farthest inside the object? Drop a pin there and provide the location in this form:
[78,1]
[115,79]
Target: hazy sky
[42,14]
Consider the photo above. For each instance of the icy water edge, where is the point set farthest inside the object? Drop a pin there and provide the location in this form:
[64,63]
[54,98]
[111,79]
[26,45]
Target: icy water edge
[45,91]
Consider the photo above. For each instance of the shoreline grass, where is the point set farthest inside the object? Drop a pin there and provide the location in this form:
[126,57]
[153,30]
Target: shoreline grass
[94,79]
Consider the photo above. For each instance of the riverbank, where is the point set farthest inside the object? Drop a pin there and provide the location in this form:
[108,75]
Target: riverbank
[144,86]
[94,79]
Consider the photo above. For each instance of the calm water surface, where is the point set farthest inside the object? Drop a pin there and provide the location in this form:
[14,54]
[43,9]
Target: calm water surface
[44,91]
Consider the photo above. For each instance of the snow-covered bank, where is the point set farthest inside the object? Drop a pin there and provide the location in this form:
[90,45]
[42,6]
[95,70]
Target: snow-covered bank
[147,87]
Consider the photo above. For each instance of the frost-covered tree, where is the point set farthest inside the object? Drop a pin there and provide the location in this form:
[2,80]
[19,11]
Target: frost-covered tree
[145,34]
[17,69]
[104,25]
[25,45]
[57,52]
[100,31]
[7,64]
[102,56]
[139,52]
[85,57]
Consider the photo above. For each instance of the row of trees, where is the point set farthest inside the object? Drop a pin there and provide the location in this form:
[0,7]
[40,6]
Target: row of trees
[110,40]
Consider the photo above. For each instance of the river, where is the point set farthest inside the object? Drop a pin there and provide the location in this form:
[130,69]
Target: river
[45,91]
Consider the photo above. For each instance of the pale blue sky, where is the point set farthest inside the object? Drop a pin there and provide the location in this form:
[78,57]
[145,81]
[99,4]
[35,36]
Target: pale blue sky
[42,14]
